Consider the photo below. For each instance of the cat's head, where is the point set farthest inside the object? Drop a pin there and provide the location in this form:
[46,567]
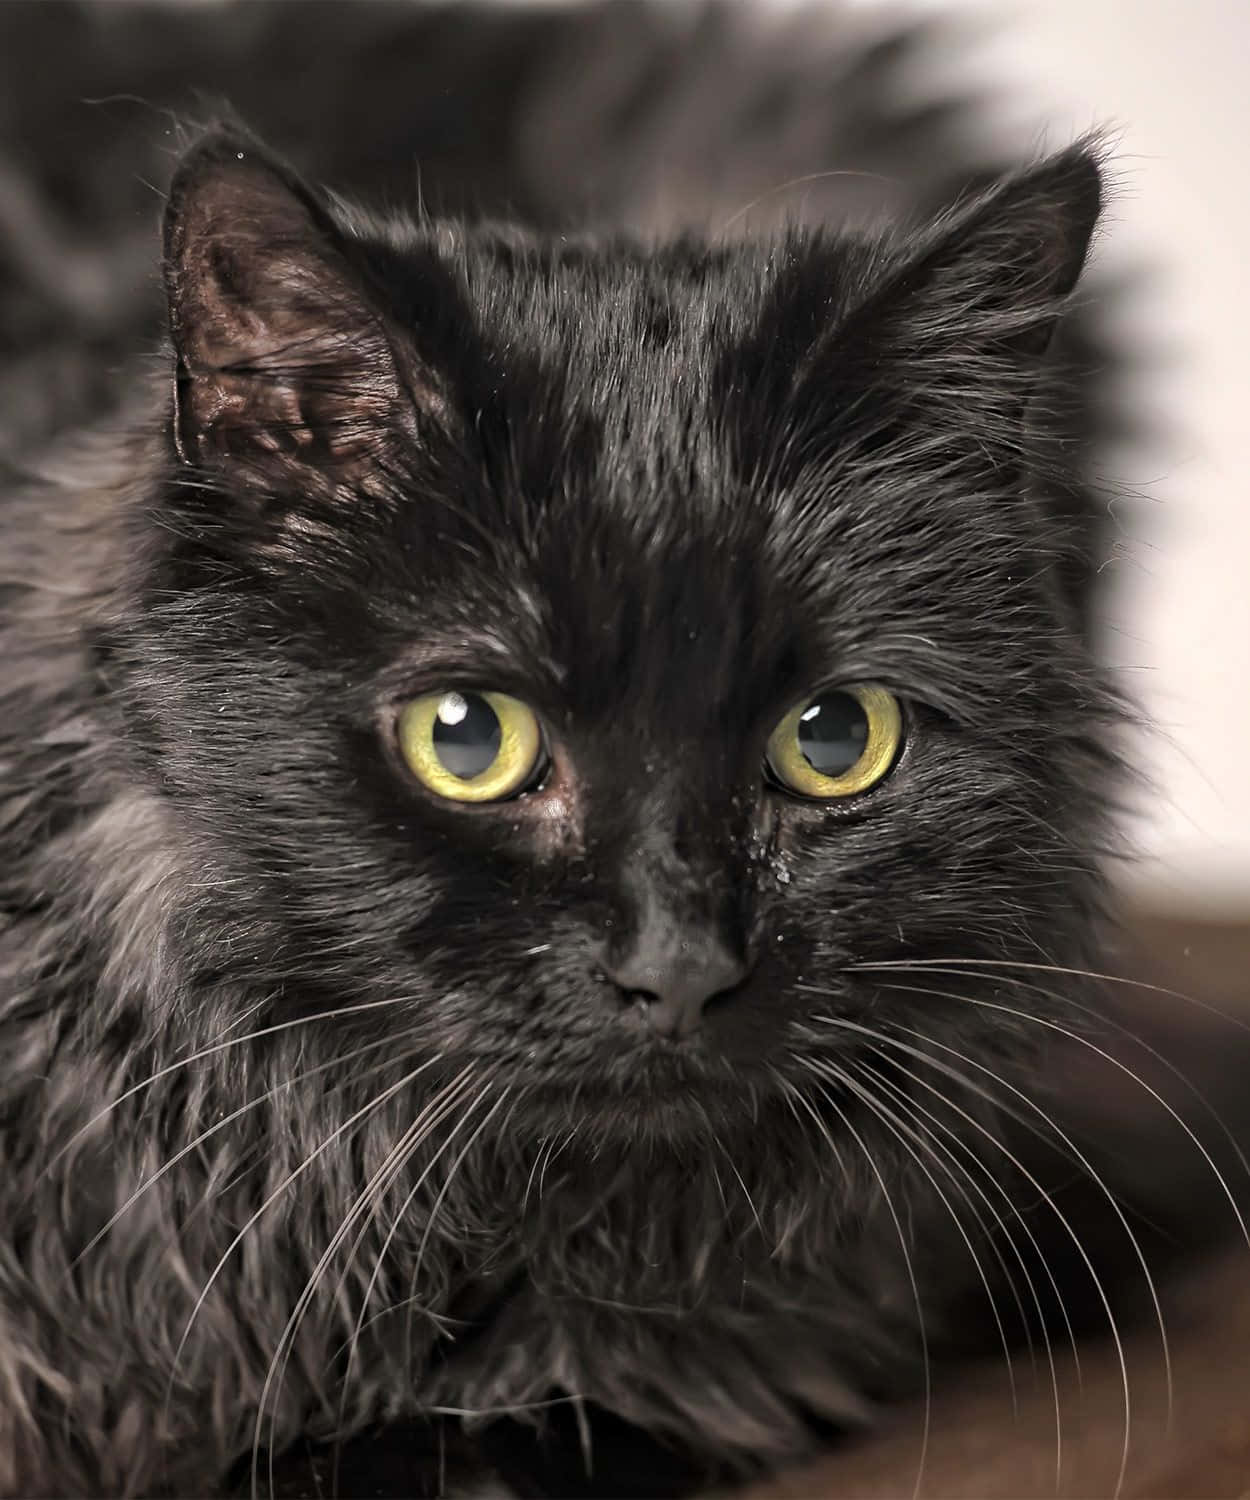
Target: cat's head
[590,656]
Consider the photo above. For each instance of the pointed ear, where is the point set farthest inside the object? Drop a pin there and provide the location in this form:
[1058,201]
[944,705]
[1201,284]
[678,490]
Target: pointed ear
[968,315]
[1009,260]
[282,361]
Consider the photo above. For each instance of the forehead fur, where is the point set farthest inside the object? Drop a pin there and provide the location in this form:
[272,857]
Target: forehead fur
[633,503]
[707,474]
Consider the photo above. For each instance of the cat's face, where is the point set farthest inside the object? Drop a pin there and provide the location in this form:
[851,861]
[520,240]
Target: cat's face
[586,658]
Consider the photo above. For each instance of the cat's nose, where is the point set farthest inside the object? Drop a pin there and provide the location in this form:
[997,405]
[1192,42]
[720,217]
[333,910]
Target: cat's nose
[674,978]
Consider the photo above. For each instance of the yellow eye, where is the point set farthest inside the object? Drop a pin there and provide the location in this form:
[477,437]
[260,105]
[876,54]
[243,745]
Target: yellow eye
[837,744]
[471,747]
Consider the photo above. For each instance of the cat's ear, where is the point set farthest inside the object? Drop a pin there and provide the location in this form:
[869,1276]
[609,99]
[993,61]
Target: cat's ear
[972,309]
[282,361]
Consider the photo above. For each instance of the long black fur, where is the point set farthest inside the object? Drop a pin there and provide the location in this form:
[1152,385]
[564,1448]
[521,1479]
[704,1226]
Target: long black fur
[315,1109]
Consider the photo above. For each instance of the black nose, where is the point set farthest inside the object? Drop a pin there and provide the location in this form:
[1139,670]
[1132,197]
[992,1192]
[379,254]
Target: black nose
[674,977]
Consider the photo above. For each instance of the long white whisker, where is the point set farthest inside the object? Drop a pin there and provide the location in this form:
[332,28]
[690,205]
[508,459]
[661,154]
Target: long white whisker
[395,1306]
[917,1109]
[868,965]
[1080,1157]
[545,1147]
[941,1137]
[288,1181]
[922,1126]
[439,1200]
[554,1156]
[362,1320]
[211,1051]
[434,1111]
[720,1192]
[724,1150]
[212,1130]
[800,181]
[1062,1135]
[837,1075]
[1092,1046]
[503,1411]
[907,1261]
[927,1058]
[959,1078]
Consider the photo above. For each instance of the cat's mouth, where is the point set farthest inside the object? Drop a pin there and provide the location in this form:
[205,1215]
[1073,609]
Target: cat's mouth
[655,1086]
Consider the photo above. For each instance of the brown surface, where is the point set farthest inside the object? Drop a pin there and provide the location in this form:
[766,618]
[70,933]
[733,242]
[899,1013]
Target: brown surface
[977,1446]
[978,1449]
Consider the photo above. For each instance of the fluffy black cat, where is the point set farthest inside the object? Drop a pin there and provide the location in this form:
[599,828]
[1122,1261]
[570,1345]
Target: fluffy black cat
[498,767]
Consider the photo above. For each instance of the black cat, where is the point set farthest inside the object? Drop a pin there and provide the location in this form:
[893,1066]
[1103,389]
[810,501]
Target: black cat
[523,775]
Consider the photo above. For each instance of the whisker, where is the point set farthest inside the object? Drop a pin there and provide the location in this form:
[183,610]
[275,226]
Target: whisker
[553,1157]
[823,1068]
[149,1182]
[502,1411]
[442,1194]
[1062,1135]
[954,1149]
[544,1148]
[907,1261]
[907,1114]
[720,1186]
[964,1082]
[1130,1073]
[392,1163]
[1005,963]
[362,1321]
[916,1110]
[800,181]
[741,1184]
[291,1178]
[925,1057]
[211,1051]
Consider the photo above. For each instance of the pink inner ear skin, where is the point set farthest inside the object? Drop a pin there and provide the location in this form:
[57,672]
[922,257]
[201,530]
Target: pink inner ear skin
[280,353]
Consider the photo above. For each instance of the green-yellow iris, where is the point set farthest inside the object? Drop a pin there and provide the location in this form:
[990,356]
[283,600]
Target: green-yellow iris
[471,746]
[837,744]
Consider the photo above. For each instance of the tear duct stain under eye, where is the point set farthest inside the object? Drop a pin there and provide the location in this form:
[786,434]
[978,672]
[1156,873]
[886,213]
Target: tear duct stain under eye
[471,746]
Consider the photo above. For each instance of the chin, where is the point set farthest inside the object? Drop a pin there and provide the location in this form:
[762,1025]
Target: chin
[656,1093]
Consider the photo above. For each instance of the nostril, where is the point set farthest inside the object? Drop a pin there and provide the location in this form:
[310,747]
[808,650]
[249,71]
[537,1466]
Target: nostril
[723,996]
[676,990]
[638,997]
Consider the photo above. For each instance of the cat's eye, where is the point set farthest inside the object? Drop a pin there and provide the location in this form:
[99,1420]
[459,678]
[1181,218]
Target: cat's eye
[837,744]
[472,746]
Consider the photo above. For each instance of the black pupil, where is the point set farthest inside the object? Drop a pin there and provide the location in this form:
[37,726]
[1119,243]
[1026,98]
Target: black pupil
[467,735]
[833,732]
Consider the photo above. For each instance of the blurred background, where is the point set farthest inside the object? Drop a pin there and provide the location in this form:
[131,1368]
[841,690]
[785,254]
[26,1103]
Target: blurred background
[729,118]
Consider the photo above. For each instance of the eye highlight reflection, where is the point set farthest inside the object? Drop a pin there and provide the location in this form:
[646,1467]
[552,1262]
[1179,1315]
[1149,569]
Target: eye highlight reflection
[838,744]
[471,746]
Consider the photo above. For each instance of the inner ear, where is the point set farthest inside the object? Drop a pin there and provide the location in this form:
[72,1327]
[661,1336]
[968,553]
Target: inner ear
[281,355]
